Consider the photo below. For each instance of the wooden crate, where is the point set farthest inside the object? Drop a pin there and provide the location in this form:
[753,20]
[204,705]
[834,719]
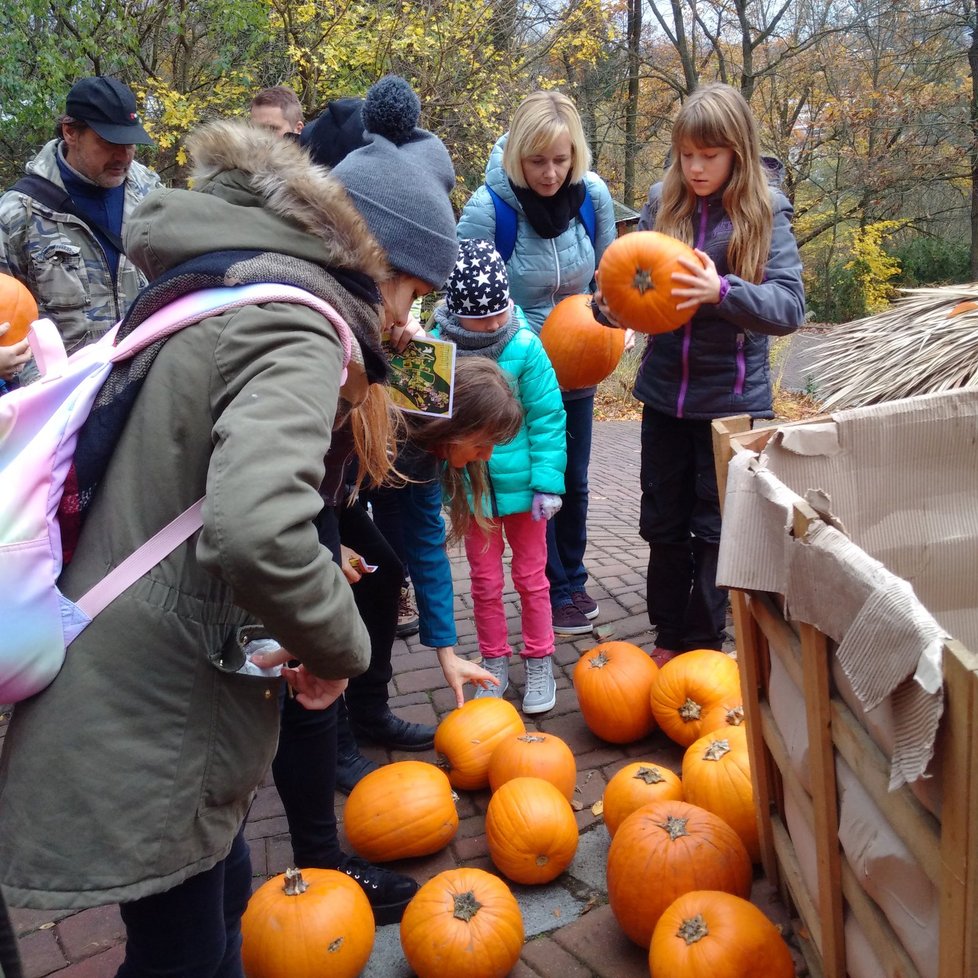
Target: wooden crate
[946,849]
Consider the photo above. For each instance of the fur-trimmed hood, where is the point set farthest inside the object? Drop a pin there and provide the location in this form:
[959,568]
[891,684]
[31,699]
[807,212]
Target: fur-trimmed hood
[265,193]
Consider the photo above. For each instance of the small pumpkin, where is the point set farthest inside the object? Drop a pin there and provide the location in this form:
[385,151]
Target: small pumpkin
[535,755]
[17,307]
[306,924]
[582,350]
[531,831]
[613,683]
[635,278]
[466,738]
[716,776]
[635,785]
[401,810]
[663,850]
[465,923]
[693,691]
[709,932]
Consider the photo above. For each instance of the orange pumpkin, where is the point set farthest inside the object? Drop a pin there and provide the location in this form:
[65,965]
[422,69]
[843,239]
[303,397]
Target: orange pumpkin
[666,849]
[635,785]
[17,307]
[534,755]
[708,932]
[466,738]
[465,923]
[401,810]
[635,278]
[583,351]
[693,691]
[307,924]
[531,831]
[613,682]
[716,776]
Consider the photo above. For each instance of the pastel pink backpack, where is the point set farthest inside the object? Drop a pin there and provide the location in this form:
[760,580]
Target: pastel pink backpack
[39,426]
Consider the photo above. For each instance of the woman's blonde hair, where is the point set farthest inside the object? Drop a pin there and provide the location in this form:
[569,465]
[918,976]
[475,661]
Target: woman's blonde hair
[718,115]
[484,405]
[376,425]
[541,119]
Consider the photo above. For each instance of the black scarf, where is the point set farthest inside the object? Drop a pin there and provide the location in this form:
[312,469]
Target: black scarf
[101,431]
[551,216]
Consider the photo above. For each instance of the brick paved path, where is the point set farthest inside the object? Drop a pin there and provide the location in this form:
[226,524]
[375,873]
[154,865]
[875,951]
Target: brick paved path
[569,927]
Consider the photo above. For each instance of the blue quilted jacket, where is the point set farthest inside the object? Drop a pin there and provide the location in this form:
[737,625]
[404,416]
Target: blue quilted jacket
[541,271]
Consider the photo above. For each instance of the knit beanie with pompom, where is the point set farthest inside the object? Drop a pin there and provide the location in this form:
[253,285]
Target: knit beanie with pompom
[400,182]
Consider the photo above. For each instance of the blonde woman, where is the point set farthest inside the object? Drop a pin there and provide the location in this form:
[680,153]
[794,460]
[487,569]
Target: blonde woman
[551,219]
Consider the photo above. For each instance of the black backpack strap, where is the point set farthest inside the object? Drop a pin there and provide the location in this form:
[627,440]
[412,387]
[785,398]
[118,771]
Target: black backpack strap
[58,199]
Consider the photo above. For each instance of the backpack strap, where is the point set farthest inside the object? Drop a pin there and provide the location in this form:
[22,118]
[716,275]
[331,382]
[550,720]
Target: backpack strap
[51,195]
[142,560]
[588,217]
[505,225]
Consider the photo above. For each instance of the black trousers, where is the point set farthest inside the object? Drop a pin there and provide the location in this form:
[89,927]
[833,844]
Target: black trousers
[680,520]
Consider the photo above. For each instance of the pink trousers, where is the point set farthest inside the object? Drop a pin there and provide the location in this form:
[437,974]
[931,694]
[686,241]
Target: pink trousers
[528,542]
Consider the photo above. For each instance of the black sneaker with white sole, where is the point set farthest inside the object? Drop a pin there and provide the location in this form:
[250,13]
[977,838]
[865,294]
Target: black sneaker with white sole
[568,620]
[388,892]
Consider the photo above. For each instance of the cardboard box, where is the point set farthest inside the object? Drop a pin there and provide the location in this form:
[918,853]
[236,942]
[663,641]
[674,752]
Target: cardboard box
[851,546]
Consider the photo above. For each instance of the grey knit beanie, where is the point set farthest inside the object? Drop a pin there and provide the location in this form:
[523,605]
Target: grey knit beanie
[400,182]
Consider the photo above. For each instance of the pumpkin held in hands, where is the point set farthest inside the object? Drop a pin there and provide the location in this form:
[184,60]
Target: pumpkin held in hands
[306,924]
[583,351]
[17,307]
[635,278]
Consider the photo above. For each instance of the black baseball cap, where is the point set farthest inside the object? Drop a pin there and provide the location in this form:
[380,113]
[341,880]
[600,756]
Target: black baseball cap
[108,107]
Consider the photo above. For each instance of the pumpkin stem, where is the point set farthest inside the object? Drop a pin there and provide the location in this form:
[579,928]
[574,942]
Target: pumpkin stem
[690,711]
[598,661]
[294,883]
[650,775]
[466,906]
[531,738]
[693,929]
[717,750]
[642,282]
[676,827]
[735,716]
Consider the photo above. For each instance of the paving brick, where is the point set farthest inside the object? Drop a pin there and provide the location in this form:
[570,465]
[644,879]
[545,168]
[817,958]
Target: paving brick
[40,953]
[90,932]
[547,958]
[102,965]
[598,941]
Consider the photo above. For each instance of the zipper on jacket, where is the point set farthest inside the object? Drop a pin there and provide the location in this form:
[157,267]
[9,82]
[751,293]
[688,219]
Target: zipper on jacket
[741,366]
[553,296]
[688,328]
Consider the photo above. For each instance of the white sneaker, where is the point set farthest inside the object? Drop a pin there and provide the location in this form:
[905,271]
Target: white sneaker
[499,667]
[541,687]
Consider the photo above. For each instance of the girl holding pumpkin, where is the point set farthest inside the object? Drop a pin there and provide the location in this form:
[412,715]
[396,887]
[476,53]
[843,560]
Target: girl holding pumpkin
[745,287]
[538,176]
[526,474]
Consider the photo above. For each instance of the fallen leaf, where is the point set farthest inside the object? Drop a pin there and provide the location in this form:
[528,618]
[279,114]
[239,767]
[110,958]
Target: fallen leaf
[598,807]
[604,632]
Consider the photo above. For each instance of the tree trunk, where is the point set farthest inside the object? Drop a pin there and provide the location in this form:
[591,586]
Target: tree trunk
[631,103]
[973,151]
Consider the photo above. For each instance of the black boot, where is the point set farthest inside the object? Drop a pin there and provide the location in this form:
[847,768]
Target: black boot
[384,728]
[351,765]
[388,892]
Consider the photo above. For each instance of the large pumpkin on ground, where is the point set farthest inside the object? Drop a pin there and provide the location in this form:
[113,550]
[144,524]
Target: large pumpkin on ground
[534,755]
[635,278]
[466,738]
[635,785]
[17,307]
[582,350]
[613,683]
[401,810]
[531,831]
[664,850]
[693,692]
[306,924]
[463,923]
[717,935]
[716,776]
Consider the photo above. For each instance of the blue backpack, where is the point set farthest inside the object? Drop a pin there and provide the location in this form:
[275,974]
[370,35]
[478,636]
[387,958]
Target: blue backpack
[506,221]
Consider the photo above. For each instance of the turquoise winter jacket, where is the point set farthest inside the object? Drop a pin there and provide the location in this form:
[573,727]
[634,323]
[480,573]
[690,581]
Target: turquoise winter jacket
[535,460]
[541,271]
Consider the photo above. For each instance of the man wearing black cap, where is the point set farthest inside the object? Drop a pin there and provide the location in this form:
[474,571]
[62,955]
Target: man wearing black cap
[61,225]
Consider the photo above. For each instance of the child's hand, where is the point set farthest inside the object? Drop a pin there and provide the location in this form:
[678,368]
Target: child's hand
[459,671]
[12,357]
[545,505]
[702,284]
